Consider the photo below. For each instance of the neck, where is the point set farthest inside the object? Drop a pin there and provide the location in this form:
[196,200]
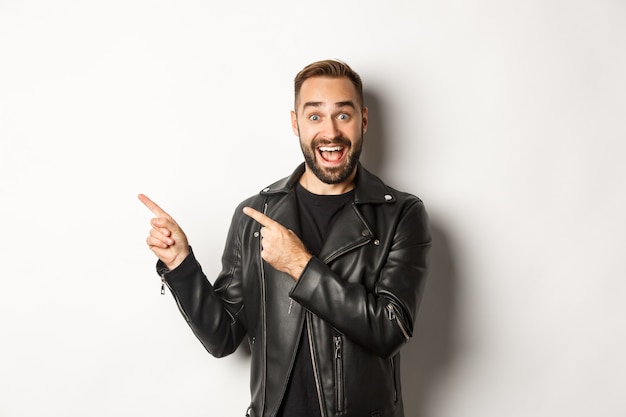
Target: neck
[311,183]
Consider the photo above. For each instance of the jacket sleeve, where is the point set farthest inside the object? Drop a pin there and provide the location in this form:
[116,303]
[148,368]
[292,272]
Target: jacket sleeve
[380,320]
[214,313]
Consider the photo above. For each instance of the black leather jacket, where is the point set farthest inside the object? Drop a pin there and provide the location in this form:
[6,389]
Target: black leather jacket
[359,298]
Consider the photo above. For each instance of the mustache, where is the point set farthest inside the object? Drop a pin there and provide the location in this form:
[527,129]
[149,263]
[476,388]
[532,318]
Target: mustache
[338,140]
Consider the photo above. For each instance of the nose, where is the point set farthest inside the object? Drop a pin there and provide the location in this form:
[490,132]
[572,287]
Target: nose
[329,129]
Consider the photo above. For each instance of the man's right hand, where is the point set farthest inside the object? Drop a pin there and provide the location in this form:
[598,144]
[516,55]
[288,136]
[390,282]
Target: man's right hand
[167,240]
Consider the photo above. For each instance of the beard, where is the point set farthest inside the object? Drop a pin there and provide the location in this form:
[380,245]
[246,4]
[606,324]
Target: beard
[335,175]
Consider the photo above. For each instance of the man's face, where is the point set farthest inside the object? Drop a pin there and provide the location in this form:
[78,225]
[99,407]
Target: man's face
[330,124]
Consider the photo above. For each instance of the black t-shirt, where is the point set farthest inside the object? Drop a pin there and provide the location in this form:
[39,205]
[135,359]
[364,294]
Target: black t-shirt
[317,214]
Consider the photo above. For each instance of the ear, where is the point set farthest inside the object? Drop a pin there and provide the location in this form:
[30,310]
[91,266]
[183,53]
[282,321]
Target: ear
[365,119]
[294,123]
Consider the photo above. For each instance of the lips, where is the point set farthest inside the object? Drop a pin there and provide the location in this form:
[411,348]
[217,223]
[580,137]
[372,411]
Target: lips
[331,153]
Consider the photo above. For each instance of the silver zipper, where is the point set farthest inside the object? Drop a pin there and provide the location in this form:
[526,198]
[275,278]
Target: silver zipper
[339,372]
[178,304]
[394,317]
[313,361]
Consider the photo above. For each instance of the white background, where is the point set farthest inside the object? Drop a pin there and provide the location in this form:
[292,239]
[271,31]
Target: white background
[506,117]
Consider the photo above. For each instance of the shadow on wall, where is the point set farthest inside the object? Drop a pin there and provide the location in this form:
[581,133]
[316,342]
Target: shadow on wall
[430,353]
[373,154]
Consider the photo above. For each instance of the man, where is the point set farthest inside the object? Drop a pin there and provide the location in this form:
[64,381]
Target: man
[322,271]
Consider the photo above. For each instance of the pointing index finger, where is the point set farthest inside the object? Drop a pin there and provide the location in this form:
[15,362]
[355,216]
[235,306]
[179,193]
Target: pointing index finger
[152,206]
[260,217]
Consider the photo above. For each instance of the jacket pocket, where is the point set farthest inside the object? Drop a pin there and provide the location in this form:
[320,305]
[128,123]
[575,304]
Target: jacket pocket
[339,375]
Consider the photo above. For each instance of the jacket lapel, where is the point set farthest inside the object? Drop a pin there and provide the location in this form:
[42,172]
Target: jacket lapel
[283,206]
[285,212]
[349,231]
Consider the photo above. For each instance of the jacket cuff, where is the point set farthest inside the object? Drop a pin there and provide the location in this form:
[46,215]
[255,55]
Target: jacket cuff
[309,280]
[187,266]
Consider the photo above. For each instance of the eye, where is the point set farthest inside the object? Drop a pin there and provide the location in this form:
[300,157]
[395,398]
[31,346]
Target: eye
[314,117]
[343,116]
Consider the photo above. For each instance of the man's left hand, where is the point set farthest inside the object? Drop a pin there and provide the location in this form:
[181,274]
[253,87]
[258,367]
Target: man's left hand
[281,247]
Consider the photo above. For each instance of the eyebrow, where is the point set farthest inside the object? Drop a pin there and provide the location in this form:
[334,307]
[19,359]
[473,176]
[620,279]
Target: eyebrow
[346,103]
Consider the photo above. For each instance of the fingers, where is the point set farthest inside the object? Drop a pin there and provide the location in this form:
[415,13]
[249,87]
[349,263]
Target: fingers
[260,217]
[152,206]
[160,237]
[166,238]
[163,226]
[163,234]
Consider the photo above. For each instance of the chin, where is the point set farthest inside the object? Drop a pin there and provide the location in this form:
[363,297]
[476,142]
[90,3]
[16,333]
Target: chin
[335,175]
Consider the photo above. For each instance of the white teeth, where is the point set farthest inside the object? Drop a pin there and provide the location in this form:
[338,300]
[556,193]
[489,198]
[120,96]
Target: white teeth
[330,148]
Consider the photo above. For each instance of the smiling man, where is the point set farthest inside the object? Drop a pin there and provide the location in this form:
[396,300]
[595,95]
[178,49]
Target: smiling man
[330,120]
[322,271]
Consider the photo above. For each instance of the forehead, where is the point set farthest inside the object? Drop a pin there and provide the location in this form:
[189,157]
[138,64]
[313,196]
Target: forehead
[327,91]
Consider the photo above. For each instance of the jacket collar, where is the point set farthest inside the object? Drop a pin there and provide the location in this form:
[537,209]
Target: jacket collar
[369,188]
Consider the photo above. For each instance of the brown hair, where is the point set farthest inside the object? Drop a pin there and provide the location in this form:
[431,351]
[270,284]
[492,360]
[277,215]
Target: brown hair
[328,68]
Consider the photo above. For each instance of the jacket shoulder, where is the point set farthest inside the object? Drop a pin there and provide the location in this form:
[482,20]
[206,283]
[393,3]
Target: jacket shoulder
[372,189]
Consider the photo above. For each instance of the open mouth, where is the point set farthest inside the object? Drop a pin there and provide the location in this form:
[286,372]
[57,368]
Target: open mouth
[332,154]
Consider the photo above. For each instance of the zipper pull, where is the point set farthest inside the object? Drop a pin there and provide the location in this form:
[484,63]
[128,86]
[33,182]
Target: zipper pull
[162,284]
[337,347]
[290,305]
[390,312]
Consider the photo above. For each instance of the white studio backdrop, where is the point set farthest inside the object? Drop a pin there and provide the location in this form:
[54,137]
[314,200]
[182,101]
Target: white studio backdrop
[506,118]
